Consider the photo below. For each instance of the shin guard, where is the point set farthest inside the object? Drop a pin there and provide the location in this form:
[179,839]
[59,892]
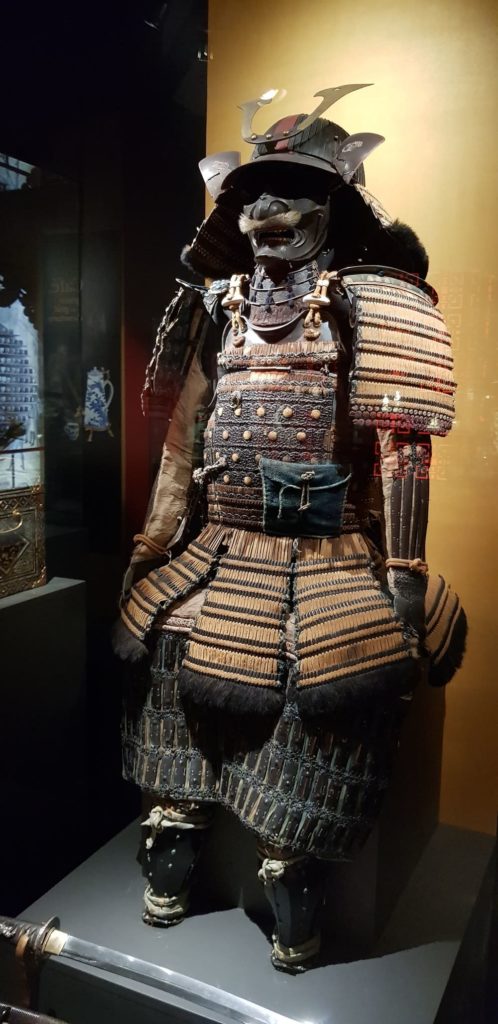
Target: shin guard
[294,888]
[172,847]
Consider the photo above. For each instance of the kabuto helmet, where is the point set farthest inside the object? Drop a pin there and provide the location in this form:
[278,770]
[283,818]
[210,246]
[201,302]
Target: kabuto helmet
[301,153]
[304,140]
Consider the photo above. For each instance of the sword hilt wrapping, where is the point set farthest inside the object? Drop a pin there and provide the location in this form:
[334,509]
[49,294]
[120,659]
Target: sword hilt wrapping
[33,941]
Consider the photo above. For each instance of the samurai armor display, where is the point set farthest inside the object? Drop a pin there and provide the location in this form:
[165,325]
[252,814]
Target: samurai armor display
[278,612]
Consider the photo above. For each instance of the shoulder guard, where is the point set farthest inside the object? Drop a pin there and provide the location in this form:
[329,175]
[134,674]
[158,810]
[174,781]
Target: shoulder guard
[402,365]
[182,332]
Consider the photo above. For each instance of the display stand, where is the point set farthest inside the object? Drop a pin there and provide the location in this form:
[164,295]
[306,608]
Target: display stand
[403,979]
[433,877]
[471,996]
[43,748]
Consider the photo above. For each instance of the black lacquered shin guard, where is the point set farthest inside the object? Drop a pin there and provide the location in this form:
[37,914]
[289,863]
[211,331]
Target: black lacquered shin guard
[172,847]
[294,888]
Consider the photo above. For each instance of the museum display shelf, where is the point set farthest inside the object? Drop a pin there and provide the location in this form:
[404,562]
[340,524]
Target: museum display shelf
[403,976]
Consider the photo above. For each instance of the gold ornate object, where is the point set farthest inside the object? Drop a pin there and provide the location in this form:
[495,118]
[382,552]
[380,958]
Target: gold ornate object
[316,300]
[22,548]
[234,300]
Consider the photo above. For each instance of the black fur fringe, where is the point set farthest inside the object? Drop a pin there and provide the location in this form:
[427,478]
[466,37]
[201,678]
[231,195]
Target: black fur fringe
[414,258]
[125,645]
[186,259]
[234,698]
[361,692]
[443,671]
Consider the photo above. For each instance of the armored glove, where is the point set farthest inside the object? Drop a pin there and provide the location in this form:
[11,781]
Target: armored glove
[408,589]
[405,461]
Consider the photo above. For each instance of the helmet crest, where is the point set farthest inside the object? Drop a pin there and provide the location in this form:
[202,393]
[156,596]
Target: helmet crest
[250,107]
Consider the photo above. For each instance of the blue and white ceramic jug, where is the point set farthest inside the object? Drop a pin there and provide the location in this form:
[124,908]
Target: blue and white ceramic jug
[97,401]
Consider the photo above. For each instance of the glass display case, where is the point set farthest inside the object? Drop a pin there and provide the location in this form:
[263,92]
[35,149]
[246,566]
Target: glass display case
[40,366]
[22,562]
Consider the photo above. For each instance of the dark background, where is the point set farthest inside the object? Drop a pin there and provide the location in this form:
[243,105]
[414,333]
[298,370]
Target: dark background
[112,98]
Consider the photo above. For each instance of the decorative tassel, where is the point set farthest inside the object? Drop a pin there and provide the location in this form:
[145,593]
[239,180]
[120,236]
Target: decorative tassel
[315,301]
[234,300]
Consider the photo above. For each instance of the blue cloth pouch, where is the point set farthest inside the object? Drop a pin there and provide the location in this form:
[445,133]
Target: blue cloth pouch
[303,499]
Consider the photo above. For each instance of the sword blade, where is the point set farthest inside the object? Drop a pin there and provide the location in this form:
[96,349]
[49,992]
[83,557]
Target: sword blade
[224,1006]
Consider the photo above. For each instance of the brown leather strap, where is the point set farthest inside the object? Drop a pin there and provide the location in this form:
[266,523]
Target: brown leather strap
[413,564]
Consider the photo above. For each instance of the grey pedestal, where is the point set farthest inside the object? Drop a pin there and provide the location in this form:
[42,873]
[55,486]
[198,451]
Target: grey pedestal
[403,979]
[42,748]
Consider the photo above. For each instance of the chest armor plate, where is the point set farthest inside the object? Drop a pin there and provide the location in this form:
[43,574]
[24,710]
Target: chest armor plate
[276,401]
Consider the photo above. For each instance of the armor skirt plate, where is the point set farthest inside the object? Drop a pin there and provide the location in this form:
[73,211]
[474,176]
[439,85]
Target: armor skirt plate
[310,787]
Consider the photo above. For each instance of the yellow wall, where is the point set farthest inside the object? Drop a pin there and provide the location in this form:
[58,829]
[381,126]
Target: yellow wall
[435,69]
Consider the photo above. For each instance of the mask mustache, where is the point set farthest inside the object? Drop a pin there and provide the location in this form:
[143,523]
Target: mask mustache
[279,220]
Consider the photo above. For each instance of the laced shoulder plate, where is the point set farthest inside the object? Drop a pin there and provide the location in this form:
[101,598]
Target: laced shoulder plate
[402,369]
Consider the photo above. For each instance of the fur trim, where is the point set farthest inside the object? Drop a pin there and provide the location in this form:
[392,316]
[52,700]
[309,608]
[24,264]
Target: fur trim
[357,236]
[414,256]
[359,692]
[440,672]
[282,220]
[125,645]
[185,257]
[235,698]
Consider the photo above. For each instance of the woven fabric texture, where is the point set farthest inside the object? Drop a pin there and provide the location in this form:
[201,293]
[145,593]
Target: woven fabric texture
[403,367]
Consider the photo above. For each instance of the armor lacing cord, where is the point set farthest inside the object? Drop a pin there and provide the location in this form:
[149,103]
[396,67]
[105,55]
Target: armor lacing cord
[272,869]
[161,818]
[305,502]
[413,564]
[296,954]
[199,475]
[141,538]
[166,907]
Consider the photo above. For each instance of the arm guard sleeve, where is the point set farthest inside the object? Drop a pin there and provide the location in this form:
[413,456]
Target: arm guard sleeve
[405,463]
[168,500]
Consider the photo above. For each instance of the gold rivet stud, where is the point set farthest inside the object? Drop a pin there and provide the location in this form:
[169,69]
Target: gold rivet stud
[220,410]
[248,481]
[272,435]
[260,411]
[238,412]
[315,414]
[217,455]
[226,479]
[225,435]
[301,435]
[247,435]
[257,457]
[235,457]
[287,412]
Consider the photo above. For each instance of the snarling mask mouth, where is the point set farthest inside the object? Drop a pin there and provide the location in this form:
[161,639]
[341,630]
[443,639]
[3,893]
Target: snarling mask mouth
[285,231]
